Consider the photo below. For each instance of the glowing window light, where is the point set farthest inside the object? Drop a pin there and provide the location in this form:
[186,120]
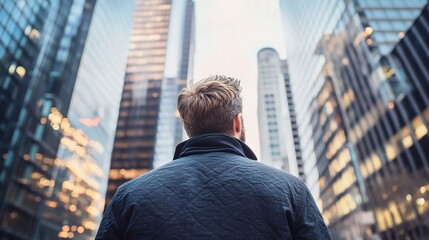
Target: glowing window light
[407,141]
[72,208]
[408,197]
[80,229]
[421,131]
[63,234]
[369,30]
[65,228]
[90,225]
[20,70]
[55,118]
[420,201]
[34,34]
[395,213]
[80,151]
[68,185]
[376,161]
[93,211]
[380,220]
[390,152]
[51,204]
[12,68]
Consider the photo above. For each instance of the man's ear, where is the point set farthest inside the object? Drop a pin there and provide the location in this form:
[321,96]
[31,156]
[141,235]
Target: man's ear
[237,124]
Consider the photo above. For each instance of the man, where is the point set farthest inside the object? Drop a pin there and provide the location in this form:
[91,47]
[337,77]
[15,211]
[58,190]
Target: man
[214,188]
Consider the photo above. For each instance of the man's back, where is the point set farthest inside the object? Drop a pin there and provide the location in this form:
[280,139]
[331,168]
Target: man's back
[212,191]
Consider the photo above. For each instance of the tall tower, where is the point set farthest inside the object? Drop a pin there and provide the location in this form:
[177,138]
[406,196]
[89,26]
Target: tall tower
[363,155]
[52,64]
[90,122]
[159,43]
[31,35]
[178,69]
[277,149]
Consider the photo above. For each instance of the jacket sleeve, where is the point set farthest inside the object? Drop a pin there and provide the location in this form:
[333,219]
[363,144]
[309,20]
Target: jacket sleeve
[309,223]
[111,226]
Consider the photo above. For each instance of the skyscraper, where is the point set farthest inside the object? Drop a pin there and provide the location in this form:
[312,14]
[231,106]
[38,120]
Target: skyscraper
[51,163]
[305,68]
[275,131]
[87,139]
[403,211]
[340,182]
[178,70]
[369,159]
[31,36]
[156,69]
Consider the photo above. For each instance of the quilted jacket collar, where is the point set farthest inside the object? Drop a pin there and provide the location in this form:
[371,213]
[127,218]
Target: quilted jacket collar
[213,142]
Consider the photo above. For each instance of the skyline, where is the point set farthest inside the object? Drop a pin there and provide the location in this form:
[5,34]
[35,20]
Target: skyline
[89,93]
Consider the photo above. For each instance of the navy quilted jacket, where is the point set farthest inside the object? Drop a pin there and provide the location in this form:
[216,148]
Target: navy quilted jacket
[213,189]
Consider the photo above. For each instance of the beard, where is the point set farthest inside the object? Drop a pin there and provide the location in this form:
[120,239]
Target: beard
[243,131]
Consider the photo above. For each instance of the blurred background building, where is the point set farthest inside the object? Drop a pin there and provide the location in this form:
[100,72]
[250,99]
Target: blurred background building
[358,75]
[54,135]
[275,133]
[160,54]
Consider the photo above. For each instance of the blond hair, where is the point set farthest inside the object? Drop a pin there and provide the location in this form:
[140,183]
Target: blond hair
[210,105]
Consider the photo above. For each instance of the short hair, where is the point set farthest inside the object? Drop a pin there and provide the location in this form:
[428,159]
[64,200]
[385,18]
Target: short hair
[210,105]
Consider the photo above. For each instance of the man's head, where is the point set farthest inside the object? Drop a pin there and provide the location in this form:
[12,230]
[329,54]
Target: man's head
[212,105]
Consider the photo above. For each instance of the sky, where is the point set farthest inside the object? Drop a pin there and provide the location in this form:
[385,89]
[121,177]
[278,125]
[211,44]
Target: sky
[229,34]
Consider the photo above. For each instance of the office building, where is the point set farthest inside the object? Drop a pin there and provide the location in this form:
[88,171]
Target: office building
[345,52]
[305,68]
[156,70]
[51,164]
[178,69]
[275,131]
[402,209]
[87,139]
[31,34]
[340,192]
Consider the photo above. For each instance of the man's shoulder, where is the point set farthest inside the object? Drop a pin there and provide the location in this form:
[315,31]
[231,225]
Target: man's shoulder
[258,171]
[281,176]
[149,178]
[247,169]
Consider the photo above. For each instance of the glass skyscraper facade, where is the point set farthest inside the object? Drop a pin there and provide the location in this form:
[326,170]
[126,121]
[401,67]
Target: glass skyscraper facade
[275,131]
[87,140]
[31,37]
[368,170]
[337,166]
[134,144]
[402,210]
[49,160]
[305,67]
[160,44]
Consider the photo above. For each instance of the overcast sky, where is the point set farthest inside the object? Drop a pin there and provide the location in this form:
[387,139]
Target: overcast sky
[229,34]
